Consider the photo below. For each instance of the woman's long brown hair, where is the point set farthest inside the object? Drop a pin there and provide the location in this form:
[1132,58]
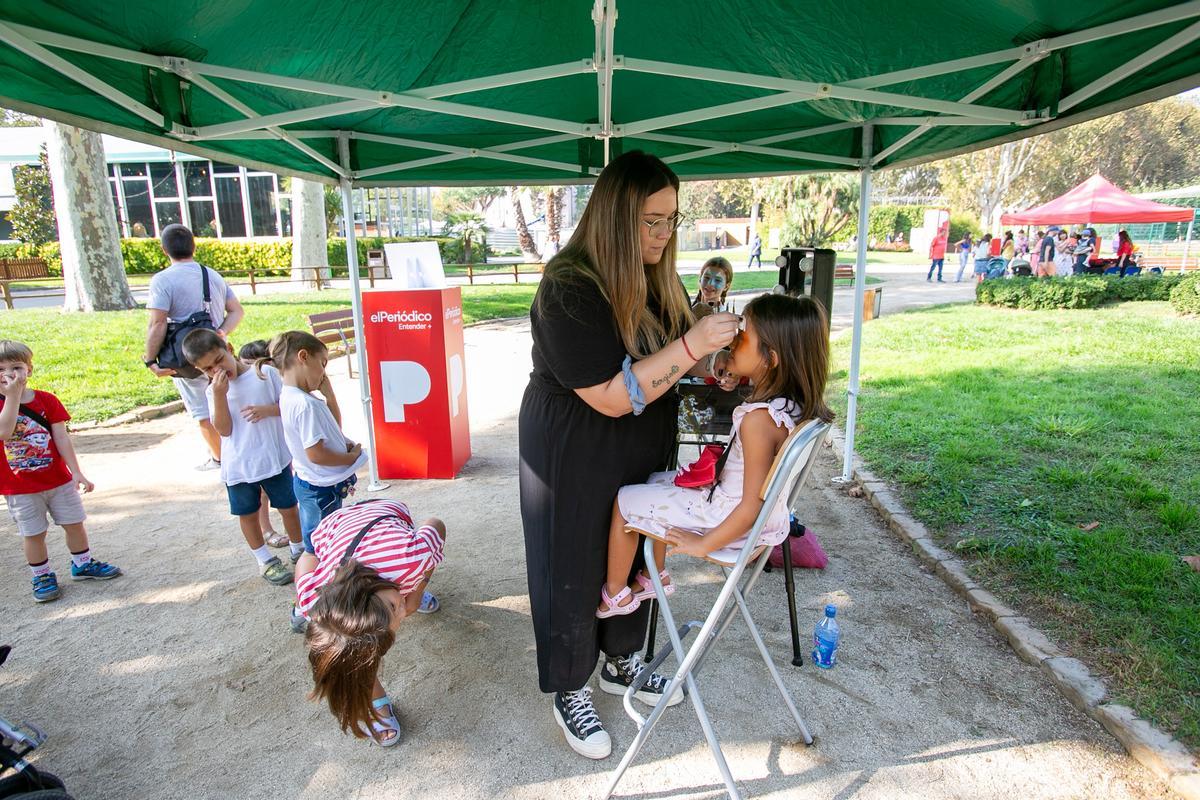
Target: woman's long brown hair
[348,633]
[606,250]
[794,330]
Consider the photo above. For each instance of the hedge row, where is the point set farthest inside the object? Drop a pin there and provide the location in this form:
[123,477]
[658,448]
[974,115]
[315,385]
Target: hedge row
[1087,291]
[144,256]
[1185,297]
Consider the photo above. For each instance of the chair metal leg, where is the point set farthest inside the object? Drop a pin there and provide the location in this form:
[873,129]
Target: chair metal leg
[652,631]
[789,583]
[771,668]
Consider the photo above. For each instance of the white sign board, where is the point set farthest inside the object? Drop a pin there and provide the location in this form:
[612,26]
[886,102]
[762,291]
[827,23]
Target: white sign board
[414,265]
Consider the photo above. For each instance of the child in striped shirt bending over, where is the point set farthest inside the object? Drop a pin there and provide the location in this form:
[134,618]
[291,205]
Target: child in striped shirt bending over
[368,571]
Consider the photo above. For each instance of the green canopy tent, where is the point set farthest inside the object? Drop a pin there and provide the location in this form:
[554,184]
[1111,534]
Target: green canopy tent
[506,92]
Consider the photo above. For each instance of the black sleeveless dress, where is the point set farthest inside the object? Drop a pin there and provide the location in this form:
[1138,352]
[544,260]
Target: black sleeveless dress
[573,460]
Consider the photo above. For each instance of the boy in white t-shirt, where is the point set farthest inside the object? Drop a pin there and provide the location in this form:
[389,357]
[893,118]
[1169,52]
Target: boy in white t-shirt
[254,456]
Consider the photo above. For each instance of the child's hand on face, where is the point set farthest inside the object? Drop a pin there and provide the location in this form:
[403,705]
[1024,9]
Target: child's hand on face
[686,543]
[220,382]
[325,387]
[13,387]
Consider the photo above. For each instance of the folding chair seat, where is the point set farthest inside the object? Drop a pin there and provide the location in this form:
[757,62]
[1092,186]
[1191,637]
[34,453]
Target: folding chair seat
[742,569]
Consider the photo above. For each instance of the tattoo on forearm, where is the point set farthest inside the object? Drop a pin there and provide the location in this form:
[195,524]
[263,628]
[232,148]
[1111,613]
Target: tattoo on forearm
[657,382]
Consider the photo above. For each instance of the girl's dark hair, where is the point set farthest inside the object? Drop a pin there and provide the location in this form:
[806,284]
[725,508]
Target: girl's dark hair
[349,630]
[201,342]
[252,351]
[716,262]
[796,331]
[285,346]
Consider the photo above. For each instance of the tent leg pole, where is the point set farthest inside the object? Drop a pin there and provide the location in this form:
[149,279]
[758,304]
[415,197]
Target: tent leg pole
[860,287]
[360,349]
[1186,244]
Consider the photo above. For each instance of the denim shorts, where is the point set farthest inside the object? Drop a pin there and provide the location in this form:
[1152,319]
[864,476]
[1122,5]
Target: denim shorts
[244,498]
[318,502]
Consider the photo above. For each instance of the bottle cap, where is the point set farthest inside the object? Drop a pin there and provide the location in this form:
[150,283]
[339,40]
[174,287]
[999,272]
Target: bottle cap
[831,610]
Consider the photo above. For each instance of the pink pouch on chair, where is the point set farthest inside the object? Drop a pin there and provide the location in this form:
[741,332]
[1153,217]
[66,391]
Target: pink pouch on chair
[806,552]
[701,472]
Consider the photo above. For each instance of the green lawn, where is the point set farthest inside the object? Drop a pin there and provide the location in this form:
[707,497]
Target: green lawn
[1008,431]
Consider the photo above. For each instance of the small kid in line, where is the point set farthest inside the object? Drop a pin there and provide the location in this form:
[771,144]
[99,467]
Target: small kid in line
[40,474]
[250,353]
[254,456]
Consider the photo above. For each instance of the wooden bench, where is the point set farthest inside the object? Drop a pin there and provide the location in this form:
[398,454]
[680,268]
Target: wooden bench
[18,269]
[843,271]
[1170,263]
[336,330]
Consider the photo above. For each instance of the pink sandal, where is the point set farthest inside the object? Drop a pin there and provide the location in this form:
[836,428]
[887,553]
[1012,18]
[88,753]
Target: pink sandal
[647,591]
[612,605]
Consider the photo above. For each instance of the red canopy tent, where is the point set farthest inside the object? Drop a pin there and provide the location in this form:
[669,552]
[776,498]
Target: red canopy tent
[1096,202]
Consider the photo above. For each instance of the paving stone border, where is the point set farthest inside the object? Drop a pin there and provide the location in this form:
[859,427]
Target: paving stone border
[1166,757]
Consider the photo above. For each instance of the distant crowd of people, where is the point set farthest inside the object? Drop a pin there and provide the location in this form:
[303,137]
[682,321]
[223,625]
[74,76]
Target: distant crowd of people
[1054,252]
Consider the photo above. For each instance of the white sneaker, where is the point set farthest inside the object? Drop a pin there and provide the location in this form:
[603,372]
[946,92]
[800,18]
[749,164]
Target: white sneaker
[619,673]
[210,464]
[576,716]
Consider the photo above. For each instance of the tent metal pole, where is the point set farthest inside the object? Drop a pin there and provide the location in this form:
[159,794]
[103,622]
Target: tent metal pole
[860,288]
[360,349]
[1186,243]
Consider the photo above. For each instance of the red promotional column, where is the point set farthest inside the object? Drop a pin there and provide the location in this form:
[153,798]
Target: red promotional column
[417,372]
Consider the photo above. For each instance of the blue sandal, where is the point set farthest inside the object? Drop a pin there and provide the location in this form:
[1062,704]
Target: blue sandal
[389,724]
[429,604]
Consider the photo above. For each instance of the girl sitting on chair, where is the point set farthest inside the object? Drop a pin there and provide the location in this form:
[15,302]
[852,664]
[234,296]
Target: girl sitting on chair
[784,349]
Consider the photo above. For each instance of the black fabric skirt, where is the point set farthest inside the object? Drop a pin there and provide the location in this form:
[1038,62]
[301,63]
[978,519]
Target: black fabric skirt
[573,461]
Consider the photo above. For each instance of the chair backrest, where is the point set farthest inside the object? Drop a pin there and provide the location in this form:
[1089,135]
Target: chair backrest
[793,462]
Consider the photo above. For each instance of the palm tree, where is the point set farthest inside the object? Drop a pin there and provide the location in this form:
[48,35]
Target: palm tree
[467,226]
[528,246]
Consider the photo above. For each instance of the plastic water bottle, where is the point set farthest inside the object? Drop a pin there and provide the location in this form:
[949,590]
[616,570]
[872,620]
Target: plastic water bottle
[825,640]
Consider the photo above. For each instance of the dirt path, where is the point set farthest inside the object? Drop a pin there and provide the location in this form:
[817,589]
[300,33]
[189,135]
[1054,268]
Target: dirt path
[181,679]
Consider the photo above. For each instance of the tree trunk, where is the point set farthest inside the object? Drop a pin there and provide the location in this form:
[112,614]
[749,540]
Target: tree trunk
[528,246]
[93,268]
[308,232]
[553,216]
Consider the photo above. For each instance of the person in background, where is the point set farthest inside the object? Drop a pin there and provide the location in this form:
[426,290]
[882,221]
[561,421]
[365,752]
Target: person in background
[983,254]
[755,252]
[1034,250]
[716,276]
[937,257]
[965,246]
[1048,252]
[249,355]
[1063,248]
[1008,248]
[1022,242]
[1084,248]
[1124,252]
[175,294]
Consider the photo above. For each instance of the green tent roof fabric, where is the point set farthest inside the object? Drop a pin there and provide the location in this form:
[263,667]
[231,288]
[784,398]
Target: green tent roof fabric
[511,92]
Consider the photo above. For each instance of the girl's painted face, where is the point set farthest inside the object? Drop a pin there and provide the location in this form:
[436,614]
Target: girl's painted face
[745,357]
[660,217]
[712,283]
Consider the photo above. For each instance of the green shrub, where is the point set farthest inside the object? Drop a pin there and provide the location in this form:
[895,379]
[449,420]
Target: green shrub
[1185,297]
[961,224]
[1043,293]
[337,247]
[884,220]
[1141,287]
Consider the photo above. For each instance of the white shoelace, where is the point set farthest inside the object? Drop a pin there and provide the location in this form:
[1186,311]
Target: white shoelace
[580,709]
[633,666]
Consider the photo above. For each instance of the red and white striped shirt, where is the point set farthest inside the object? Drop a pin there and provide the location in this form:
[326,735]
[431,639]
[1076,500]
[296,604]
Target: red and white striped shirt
[393,548]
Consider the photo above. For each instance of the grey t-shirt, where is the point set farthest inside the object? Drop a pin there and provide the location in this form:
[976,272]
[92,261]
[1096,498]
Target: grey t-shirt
[177,291]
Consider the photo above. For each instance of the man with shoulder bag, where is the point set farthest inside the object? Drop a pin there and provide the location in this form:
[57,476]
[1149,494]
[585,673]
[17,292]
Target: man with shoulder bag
[184,297]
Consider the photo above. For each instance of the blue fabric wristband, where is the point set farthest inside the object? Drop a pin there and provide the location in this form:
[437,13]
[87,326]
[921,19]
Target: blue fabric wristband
[636,398]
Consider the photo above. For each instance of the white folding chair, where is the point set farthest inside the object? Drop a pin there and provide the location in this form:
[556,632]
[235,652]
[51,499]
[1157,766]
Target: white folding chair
[742,569]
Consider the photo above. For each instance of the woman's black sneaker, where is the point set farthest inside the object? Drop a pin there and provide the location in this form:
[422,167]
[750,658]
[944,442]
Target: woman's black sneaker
[576,715]
[619,673]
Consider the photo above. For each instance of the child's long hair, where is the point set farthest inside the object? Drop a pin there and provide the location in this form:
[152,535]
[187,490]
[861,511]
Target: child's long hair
[348,633]
[794,328]
[716,262]
[253,351]
[284,348]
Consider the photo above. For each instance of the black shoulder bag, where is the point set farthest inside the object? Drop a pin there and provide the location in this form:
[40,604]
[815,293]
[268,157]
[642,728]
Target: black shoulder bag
[170,355]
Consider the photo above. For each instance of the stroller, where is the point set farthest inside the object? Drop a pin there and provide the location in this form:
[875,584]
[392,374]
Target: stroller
[26,782]
[996,267]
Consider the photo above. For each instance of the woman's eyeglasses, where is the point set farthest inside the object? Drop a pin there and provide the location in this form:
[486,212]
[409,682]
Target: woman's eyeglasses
[715,281]
[663,228]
